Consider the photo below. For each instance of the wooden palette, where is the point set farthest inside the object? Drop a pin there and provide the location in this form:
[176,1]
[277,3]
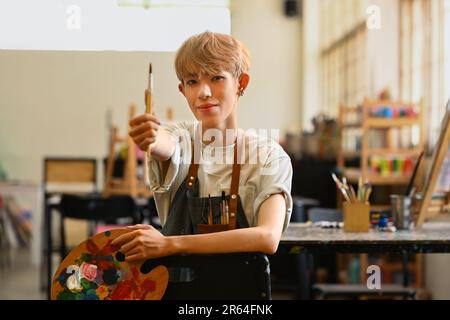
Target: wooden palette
[96,270]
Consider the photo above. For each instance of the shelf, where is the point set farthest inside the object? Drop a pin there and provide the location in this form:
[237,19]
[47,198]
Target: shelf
[388,123]
[352,126]
[351,154]
[353,175]
[380,207]
[387,151]
[383,103]
[351,109]
[391,133]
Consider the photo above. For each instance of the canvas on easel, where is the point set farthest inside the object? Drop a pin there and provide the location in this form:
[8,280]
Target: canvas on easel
[439,170]
[129,183]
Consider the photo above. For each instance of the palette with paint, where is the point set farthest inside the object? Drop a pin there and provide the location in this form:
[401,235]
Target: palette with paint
[97,270]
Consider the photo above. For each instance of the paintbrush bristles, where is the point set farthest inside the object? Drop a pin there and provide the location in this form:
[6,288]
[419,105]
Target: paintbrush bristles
[150,78]
[149,91]
[362,195]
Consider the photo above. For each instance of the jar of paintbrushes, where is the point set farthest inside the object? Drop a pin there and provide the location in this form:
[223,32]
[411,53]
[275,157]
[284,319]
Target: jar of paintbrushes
[356,207]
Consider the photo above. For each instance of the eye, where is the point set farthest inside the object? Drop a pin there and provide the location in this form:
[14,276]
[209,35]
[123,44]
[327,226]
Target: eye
[218,78]
[191,82]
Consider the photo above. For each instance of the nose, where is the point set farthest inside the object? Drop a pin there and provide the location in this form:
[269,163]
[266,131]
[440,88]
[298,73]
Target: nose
[204,92]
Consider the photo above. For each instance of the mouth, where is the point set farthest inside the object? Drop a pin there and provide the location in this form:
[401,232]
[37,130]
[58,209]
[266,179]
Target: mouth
[207,107]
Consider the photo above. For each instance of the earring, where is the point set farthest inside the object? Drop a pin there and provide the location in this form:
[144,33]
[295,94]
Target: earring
[241,92]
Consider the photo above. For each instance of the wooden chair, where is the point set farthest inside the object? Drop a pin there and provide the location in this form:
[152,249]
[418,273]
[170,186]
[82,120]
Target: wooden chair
[96,209]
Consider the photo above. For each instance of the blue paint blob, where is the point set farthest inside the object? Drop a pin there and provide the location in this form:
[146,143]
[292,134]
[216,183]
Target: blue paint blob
[91,295]
[63,277]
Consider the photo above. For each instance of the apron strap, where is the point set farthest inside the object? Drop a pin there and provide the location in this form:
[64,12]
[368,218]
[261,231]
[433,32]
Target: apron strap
[235,174]
[192,173]
[234,189]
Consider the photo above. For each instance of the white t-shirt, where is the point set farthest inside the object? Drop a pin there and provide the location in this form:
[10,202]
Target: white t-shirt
[266,169]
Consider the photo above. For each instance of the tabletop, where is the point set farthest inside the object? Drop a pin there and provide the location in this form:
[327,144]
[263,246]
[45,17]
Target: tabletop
[430,238]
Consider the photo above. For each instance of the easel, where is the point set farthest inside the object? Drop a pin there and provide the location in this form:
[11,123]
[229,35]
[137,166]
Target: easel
[439,155]
[129,184]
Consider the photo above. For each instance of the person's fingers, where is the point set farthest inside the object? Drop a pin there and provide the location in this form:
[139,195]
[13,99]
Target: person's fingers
[140,139]
[139,226]
[143,118]
[133,251]
[142,128]
[144,145]
[134,257]
[150,134]
[124,238]
[127,247]
[138,120]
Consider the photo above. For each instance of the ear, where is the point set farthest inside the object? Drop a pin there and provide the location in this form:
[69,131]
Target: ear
[181,88]
[243,81]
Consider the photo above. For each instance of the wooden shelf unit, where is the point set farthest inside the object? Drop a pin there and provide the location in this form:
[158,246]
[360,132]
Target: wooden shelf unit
[365,123]
[362,122]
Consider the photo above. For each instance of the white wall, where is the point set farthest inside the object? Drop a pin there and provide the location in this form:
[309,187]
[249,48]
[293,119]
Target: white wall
[273,99]
[54,103]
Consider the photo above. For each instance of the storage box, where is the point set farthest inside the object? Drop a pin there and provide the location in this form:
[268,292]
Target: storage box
[356,217]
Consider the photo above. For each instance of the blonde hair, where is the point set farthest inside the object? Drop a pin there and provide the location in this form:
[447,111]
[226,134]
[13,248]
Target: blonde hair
[211,53]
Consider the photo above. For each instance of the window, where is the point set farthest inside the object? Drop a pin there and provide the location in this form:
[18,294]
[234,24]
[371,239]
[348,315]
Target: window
[124,25]
[343,57]
[424,58]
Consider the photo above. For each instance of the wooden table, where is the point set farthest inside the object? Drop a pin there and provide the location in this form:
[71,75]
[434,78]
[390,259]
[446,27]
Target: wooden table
[433,237]
[301,238]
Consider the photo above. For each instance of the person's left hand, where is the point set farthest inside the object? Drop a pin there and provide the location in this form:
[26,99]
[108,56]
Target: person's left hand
[142,242]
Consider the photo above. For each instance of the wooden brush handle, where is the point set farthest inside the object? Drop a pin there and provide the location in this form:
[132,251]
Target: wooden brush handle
[148,101]
[148,109]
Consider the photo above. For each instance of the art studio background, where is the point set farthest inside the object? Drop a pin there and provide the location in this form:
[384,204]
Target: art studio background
[70,70]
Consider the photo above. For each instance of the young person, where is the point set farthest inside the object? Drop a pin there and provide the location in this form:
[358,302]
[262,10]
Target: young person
[194,165]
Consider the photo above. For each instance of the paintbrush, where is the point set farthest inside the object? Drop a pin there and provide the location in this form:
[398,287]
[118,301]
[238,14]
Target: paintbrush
[148,109]
[149,91]
[340,187]
[349,190]
[367,191]
[409,189]
[222,209]
[210,215]
[360,190]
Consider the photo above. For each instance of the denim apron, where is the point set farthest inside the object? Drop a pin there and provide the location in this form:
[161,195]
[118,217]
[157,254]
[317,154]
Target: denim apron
[188,211]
